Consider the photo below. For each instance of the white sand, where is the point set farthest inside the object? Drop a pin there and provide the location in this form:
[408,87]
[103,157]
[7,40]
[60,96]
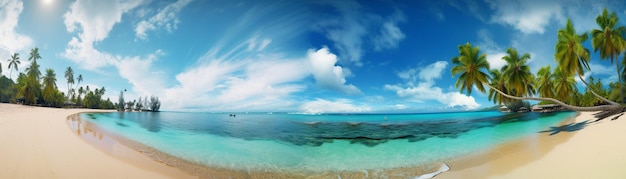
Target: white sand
[596,151]
[36,142]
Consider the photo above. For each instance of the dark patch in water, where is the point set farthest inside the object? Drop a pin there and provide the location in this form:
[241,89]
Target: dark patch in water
[121,124]
[316,133]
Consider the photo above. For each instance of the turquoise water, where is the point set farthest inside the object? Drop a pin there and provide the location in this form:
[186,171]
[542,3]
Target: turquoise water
[318,143]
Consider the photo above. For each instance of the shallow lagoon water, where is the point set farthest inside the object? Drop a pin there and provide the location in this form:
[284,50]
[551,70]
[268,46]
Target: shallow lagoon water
[319,143]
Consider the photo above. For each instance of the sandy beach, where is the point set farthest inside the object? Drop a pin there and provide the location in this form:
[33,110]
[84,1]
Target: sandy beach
[597,150]
[37,143]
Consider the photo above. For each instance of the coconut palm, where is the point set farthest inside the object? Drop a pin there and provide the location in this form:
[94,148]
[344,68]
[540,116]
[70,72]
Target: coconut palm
[564,85]
[572,57]
[609,41]
[69,75]
[34,54]
[497,81]
[27,88]
[33,71]
[470,66]
[49,83]
[13,62]
[544,82]
[79,79]
[517,74]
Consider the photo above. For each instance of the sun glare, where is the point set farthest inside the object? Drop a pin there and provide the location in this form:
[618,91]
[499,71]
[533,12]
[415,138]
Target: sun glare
[47,2]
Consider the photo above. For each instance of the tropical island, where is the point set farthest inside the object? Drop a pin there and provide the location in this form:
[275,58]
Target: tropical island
[308,95]
[36,90]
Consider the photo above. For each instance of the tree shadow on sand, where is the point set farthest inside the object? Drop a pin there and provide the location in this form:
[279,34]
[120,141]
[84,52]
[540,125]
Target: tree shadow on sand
[567,127]
[581,125]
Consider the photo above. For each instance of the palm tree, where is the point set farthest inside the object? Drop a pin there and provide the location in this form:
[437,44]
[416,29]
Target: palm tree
[49,83]
[13,62]
[564,85]
[497,81]
[34,54]
[572,57]
[544,82]
[517,74]
[470,65]
[33,70]
[609,41]
[79,79]
[81,90]
[69,75]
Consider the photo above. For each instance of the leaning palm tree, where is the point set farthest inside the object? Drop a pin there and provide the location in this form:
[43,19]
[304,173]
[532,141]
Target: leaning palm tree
[609,41]
[517,74]
[69,75]
[572,57]
[13,62]
[497,81]
[471,65]
[49,83]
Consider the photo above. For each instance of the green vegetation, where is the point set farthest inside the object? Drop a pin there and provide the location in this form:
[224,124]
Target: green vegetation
[32,89]
[514,81]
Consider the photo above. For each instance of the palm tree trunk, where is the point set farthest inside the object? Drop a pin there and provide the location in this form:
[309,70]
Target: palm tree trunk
[619,80]
[570,107]
[596,94]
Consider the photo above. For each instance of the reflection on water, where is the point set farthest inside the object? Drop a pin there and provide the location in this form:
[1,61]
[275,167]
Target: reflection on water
[82,128]
[147,120]
[317,130]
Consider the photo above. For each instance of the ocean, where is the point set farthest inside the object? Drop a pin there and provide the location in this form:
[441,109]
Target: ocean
[321,143]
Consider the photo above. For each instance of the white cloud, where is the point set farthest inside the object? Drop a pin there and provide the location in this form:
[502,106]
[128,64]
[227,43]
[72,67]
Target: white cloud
[526,16]
[390,34]
[166,18]
[93,24]
[259,82]
[493,51]
[424,88]
[255,45]
[139,73]
[348,30]
[320,106]
[598,71]
[401,106]
[10,40]
[327,74]
[431,72]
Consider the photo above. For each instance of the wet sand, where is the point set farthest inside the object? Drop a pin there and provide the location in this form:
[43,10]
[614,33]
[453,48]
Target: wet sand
[581,149]
[36,143]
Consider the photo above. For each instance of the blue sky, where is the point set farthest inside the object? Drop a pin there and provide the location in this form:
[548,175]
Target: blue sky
[294,56]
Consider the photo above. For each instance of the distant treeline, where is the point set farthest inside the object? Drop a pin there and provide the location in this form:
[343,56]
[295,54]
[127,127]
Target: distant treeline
[31,88]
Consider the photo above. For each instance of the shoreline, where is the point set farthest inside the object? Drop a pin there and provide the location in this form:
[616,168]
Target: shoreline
[203,171]
[39,146]
[209,171]
[36,143]
[581,148]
